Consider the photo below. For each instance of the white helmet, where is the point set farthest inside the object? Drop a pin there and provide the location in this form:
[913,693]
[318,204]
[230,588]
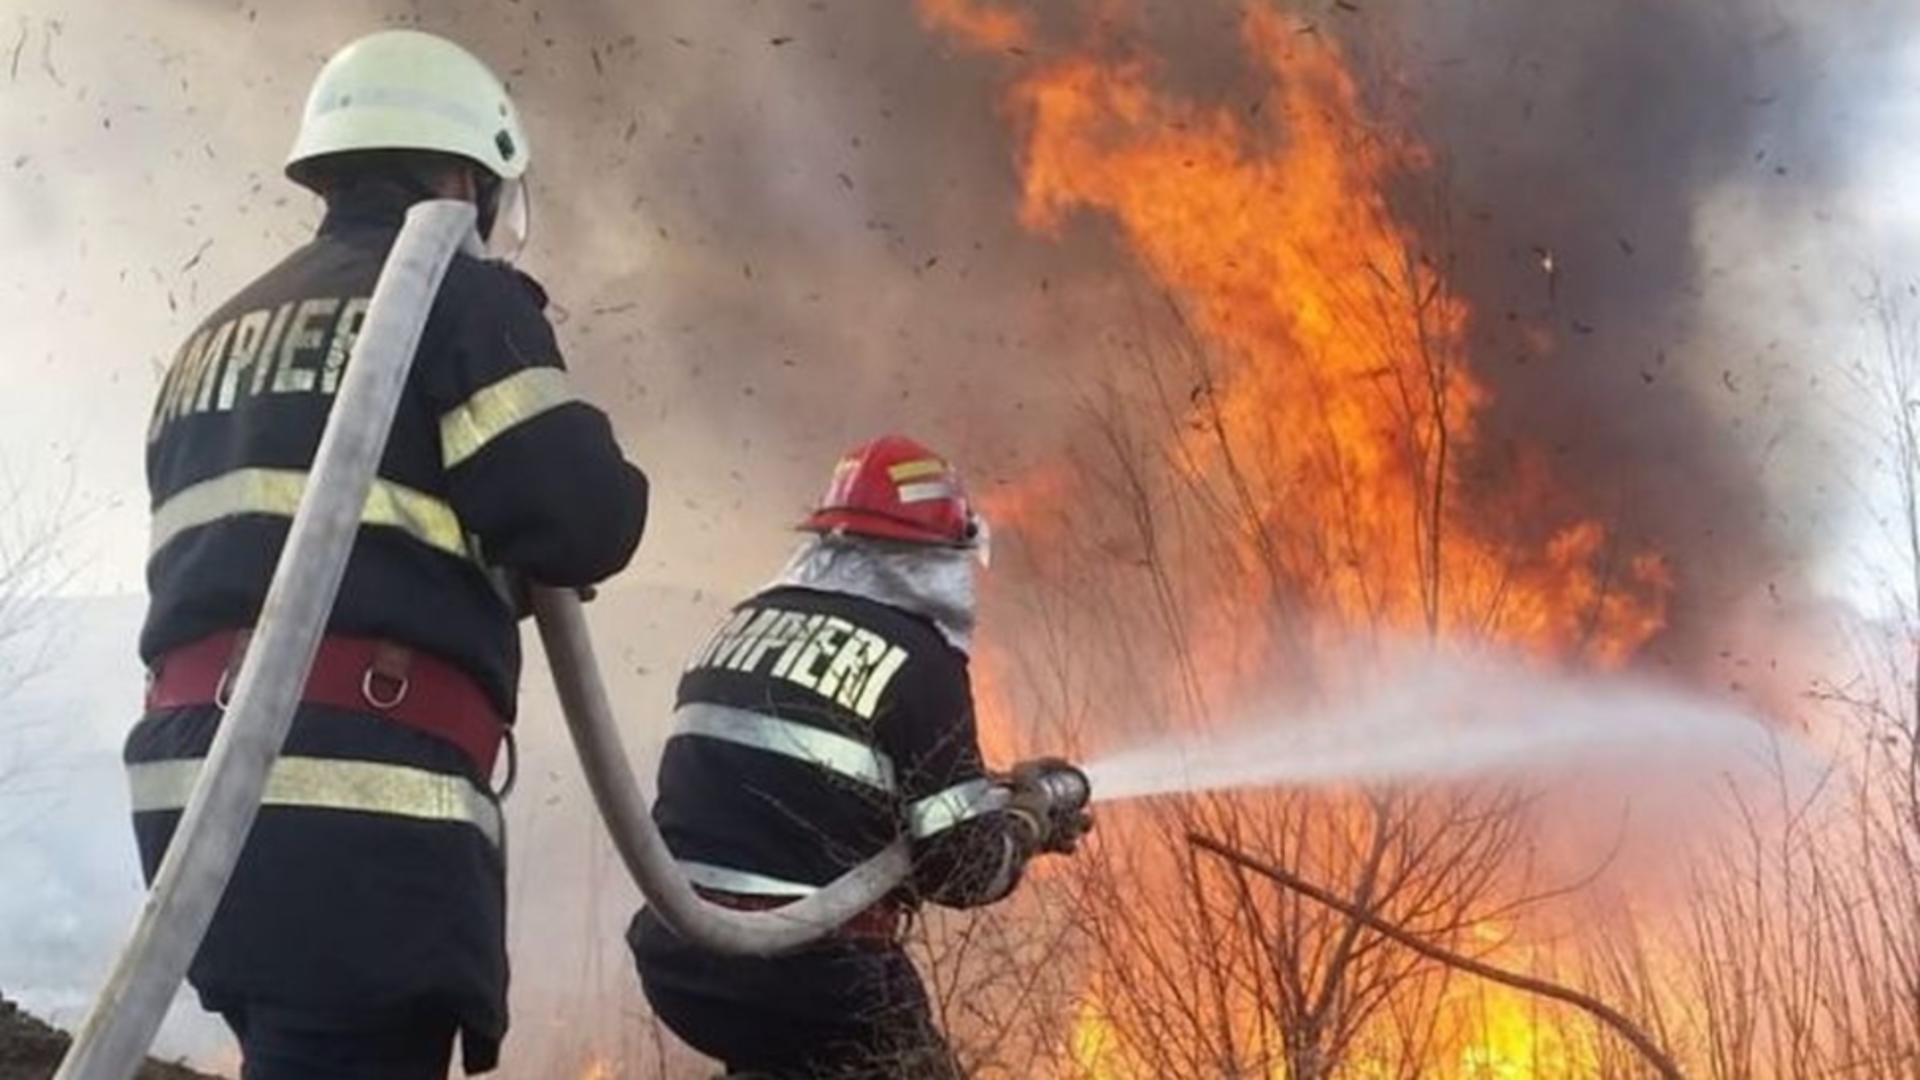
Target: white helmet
[406,90]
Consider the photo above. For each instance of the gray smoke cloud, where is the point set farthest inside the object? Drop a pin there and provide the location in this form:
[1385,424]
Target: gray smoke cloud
[1612,137]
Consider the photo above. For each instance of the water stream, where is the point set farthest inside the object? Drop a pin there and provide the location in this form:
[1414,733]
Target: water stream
[1442,719]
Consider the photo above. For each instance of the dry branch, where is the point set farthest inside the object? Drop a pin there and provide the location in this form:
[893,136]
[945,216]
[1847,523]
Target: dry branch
[1593,1007]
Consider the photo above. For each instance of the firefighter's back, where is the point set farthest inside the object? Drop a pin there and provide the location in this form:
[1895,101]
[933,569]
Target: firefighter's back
[330,910]
[779,777]
[365,923]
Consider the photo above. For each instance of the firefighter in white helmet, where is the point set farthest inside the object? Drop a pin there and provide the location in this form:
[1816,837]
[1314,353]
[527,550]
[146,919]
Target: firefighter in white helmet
[364,928]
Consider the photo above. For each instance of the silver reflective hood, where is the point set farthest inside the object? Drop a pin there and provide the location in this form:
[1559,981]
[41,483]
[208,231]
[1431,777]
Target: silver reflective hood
[934,583]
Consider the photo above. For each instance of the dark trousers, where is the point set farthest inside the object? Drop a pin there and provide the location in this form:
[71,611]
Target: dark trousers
[284,1045]
[840,1010]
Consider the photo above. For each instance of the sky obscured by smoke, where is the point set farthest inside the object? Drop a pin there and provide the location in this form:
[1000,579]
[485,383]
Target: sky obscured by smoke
[773,228]
[1666,156]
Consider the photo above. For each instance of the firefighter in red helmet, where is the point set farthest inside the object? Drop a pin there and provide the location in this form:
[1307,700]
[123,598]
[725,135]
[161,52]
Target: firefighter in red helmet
[828,715]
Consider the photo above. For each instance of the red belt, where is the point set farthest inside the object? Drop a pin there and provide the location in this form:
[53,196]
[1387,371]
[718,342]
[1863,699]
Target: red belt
[363,675]
[882,920]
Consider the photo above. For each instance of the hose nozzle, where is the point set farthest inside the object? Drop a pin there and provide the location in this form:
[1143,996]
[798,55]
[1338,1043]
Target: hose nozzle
[1053,795]
[1067,787]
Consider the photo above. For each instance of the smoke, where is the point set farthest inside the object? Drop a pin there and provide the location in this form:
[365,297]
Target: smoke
[1611,139]
[779,229]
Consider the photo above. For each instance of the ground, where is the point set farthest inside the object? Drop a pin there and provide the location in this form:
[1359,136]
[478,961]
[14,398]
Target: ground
[30,1050]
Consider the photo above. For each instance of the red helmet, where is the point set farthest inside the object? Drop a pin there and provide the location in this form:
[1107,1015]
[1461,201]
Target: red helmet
[893,488]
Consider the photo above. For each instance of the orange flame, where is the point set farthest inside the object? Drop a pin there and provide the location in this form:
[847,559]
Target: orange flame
[1340,356]
[1334,400]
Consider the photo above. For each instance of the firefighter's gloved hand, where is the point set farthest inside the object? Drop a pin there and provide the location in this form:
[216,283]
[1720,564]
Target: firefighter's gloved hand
[1032,815]
[1068,831]
[516,589]
[1048,797]
[1045,826]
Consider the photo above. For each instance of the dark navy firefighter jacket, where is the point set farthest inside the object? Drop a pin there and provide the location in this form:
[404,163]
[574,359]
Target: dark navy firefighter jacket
[372,884]
[813,729]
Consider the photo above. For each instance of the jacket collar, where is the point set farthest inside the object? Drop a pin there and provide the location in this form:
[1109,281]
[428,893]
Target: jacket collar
[377,205]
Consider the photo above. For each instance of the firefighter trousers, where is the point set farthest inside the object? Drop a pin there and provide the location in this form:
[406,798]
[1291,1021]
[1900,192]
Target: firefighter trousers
[839,1010]
[278,1044]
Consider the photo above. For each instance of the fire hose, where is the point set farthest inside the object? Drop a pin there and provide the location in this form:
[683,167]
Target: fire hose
[583,697]
[226,796]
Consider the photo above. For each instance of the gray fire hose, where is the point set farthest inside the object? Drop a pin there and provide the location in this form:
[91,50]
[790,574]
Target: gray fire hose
[563,630]
[226,795]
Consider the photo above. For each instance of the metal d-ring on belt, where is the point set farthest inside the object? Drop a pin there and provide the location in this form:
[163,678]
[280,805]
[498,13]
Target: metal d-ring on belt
[365,675]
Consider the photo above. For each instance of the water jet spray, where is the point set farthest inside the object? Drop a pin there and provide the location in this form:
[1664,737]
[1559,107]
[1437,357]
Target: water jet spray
[1437,718]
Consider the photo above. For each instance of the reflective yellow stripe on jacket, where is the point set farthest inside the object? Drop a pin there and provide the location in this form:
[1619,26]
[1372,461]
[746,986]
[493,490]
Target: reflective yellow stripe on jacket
[365,787]
[498,408]
[833,752]
[276,493]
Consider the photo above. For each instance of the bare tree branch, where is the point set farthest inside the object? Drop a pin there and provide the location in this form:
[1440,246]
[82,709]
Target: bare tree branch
[1600,1010]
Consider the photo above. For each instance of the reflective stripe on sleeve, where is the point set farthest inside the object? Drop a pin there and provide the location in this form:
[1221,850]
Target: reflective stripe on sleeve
[962,802]
[834,752]
[276,493]
[365,787]
[742,882]
[495,409]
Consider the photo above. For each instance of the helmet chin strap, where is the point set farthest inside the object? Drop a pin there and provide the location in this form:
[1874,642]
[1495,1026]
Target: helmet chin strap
[486,203]
[487,200]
